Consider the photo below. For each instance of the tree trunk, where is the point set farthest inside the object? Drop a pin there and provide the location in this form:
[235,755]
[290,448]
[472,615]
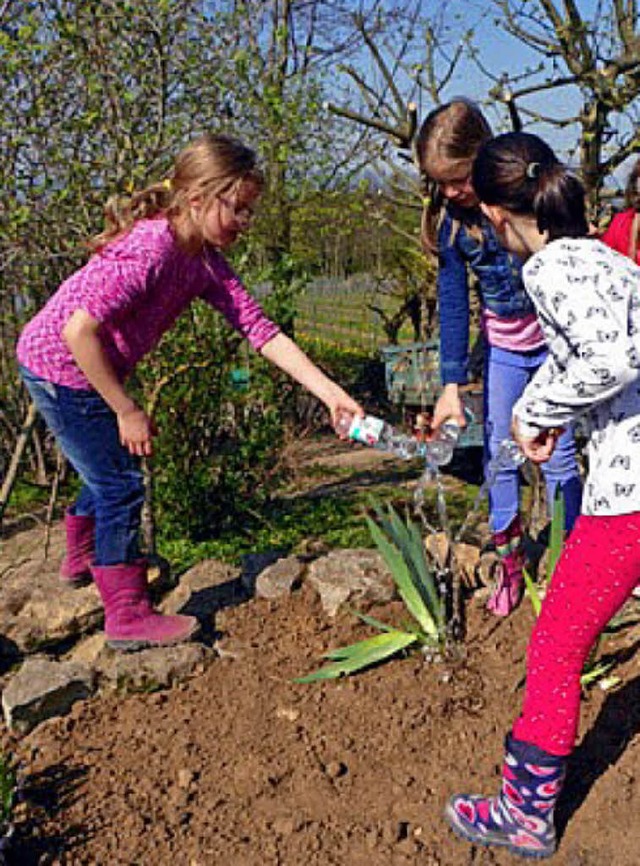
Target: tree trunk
[12,473]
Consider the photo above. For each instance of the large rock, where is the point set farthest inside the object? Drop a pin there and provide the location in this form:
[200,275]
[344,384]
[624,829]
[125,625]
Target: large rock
[152,669]
[204,589]
[350,575]
[280,579]
[43,688]
[253,564]
[36,608]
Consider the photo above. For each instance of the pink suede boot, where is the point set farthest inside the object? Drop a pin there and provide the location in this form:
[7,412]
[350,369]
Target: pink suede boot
[75,567]
[130,621]
[508,592]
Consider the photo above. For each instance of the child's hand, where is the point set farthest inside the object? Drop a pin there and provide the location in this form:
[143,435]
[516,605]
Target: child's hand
[136,431]
[540,448]
[449,405]
[340,404]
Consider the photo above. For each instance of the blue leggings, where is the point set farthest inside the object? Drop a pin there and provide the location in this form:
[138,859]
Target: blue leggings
[506,375]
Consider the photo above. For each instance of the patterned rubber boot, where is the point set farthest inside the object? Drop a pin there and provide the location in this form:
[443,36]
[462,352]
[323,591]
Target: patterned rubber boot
[130,621]
[75,567]
[520,818]
[509,588]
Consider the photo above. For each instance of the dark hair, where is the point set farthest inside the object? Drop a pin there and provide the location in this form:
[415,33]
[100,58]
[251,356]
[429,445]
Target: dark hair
[632,189]
[451,134]
[519,172]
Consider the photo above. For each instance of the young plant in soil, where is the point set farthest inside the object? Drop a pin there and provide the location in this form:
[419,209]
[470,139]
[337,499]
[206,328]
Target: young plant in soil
[403,550]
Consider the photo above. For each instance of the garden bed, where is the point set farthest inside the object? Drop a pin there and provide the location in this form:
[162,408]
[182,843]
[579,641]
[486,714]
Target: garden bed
[240,766]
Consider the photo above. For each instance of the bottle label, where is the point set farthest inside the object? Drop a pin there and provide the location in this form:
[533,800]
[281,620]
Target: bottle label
[366,430]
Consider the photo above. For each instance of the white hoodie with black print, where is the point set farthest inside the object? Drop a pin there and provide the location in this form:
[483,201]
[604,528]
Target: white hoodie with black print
[587,299]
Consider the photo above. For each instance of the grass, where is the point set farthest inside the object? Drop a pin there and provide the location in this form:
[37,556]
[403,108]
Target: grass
[335,519]
[8,785]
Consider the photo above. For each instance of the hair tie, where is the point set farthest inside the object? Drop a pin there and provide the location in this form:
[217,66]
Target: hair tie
[166,183]
[533,170]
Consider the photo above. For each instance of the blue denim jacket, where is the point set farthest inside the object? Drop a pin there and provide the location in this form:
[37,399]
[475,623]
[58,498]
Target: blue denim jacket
[498,273]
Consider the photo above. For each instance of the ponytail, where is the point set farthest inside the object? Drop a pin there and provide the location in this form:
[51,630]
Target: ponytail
[559,204]
[521,173]
[121,212]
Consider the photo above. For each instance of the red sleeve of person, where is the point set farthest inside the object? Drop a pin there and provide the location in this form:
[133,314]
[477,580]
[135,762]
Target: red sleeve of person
[623,232]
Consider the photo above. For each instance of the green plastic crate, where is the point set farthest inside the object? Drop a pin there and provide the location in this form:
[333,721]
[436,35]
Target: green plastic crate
[412,378]
[412,373]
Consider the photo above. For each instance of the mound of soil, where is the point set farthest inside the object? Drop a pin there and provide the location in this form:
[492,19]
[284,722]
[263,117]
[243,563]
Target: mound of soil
[241,766]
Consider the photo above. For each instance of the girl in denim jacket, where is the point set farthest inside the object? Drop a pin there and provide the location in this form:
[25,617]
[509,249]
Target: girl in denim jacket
[464,240]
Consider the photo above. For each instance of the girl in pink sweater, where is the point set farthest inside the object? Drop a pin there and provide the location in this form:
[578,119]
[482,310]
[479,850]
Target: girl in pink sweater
[158,252]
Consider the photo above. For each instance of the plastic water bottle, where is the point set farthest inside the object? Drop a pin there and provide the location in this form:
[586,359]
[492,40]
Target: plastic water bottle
[379,434]
[508,455]
[440,449]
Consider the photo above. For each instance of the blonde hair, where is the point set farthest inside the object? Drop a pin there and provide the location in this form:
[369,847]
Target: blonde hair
[451,134]
[206,168]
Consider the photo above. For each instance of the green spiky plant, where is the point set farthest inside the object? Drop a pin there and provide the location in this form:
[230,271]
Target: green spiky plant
[556,543]
[8,787]
[403,550]
[593,670]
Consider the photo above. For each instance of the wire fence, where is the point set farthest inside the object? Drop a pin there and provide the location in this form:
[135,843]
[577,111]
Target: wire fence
[342,313]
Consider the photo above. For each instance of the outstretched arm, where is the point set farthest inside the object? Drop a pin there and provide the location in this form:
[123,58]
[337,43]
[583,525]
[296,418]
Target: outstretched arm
[286,355]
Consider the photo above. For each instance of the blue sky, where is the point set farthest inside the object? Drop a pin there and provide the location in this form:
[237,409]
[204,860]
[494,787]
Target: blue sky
[500,52]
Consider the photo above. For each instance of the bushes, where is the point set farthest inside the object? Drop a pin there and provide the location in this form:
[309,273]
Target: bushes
[219,436]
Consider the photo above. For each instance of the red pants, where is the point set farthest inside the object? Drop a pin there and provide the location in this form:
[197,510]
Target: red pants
[597,571]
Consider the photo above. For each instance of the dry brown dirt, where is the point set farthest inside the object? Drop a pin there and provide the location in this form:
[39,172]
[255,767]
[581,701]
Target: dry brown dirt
[240,766]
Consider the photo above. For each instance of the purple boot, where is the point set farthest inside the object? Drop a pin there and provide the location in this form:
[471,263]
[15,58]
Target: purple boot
[130,621]
[509,589]
[75,567]
[520,818]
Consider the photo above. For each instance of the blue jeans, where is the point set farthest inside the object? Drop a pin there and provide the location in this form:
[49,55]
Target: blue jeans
[86,430]
[505,378]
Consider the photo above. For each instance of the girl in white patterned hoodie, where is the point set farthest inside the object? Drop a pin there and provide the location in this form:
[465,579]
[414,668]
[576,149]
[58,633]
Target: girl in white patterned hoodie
[587,298]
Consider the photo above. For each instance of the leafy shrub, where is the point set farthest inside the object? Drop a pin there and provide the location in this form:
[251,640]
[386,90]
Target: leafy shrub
[218,443]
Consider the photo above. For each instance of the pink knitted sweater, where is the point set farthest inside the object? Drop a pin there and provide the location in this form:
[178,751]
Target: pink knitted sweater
[136,288]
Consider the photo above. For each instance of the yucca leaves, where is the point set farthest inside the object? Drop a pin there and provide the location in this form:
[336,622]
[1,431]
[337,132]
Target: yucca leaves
[429,608]
[556,539]
[349,659]
[400,569]
[556,543]
[371,620]
[402,549]
[424,575]
[532,591]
